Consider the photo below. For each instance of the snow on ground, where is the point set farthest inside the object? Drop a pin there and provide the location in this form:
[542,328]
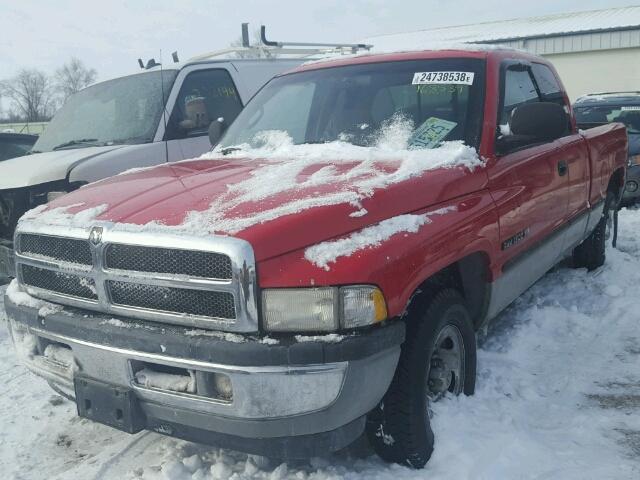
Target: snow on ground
[558,397]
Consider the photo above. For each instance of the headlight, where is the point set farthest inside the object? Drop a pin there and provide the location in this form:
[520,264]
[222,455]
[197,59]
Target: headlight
[634,160]
[322,309]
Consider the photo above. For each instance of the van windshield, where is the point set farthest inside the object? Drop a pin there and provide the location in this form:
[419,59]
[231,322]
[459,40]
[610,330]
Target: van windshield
[121,111]
[440,98]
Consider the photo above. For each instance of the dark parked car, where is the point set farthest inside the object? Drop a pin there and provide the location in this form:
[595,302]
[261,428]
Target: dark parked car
[15,144]
[601,108]
[12,145]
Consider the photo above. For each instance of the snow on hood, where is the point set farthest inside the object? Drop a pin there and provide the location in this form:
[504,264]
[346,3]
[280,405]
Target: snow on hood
[230,194]
[74,215]
[322,254]
[302,171]
[45,167]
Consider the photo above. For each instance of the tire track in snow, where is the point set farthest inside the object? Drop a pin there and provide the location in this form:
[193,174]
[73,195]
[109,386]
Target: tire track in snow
[116,459]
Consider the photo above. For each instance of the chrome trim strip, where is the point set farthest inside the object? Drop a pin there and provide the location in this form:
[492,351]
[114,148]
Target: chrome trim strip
[242,285]
[191,364]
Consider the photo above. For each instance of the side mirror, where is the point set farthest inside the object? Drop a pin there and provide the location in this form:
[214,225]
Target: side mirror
[543,121]
[216,129]
[533,123]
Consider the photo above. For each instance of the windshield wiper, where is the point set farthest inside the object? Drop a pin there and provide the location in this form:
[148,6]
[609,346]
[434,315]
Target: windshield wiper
[129,140]
[73,143]
[228,150]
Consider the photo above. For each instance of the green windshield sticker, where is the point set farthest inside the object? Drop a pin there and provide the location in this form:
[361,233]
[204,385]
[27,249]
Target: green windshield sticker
[431,133]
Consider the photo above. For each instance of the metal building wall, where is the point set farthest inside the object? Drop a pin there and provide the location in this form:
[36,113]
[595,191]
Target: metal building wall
[590,62]
[578,43]
[599,71]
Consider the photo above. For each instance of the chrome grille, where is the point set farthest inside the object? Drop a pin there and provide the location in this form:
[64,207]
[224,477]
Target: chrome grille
[168,260]
[59,282]
[202,303]
[159,276]
[56,248]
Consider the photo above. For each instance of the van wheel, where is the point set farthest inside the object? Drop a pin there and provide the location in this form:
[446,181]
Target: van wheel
[591,253]
[438,358]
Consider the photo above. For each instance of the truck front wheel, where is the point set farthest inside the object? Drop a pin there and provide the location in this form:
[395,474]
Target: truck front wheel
[438,358]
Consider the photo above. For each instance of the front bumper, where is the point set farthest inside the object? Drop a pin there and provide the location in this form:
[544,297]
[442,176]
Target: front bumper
[291,399]
[632,185]
[7,261]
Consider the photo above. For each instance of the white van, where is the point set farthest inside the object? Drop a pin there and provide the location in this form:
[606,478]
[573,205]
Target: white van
[120,124]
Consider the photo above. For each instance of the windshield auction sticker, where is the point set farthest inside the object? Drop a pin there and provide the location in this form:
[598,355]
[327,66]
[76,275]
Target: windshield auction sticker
[447,78]
[431,133]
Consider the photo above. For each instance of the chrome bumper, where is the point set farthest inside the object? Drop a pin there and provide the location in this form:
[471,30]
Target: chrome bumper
[290,390]
[258,392]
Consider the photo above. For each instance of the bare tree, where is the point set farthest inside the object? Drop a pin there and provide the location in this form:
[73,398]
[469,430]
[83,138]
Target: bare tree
[73,76]
[31,94]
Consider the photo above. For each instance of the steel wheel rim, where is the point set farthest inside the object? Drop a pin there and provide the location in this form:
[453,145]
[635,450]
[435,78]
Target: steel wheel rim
[446,365]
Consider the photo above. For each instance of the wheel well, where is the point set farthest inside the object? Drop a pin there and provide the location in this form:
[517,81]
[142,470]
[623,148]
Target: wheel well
[470,276]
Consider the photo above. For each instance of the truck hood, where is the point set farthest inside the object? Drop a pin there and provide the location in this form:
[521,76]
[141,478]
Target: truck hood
[45,167]
[257,200]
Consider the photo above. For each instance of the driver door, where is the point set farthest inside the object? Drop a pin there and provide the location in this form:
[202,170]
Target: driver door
[531,190]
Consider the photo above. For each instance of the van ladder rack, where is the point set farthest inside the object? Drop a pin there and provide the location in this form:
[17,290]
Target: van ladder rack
[354,47]
[285,48]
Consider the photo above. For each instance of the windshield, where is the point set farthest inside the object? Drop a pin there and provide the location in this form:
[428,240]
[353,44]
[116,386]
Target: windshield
[441,99]
[601,114]
[119,111]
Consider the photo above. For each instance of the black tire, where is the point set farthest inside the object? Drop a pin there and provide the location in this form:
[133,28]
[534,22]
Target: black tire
[399,428]
[591,253]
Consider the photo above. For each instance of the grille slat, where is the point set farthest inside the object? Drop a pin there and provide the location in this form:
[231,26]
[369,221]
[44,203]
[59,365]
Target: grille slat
[55,248]
[204,303]
[59,282]
[192,263]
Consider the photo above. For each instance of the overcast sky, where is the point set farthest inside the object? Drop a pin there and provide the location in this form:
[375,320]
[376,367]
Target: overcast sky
[110,35]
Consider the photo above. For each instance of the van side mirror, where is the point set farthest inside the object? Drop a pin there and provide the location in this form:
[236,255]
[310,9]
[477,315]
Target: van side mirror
[216,129]
[533,123]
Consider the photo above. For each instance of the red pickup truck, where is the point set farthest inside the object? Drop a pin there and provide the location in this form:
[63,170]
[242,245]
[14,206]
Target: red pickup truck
[324,270]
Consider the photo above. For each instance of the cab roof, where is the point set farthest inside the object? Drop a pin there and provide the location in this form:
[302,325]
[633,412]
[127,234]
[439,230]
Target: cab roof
[458,51]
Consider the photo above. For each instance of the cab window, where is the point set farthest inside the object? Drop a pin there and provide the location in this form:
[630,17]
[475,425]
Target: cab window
[518,90]
[205,96]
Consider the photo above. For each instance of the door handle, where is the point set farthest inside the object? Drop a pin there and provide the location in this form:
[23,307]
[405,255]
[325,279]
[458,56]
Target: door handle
[562,168]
